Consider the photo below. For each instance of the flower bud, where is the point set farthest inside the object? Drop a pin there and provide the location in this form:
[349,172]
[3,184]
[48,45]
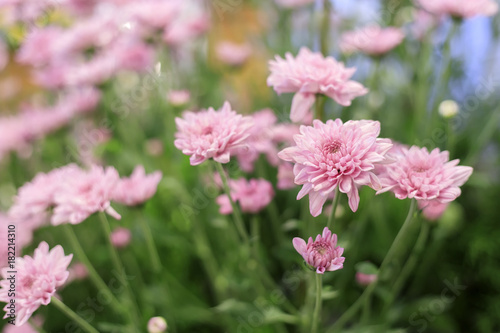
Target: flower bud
[448,109]
[157,325]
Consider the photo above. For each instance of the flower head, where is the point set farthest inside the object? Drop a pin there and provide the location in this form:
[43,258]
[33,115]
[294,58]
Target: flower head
[120,237]
[372,40]
[211,134]
[252,195]
[232,53]
[37,280]
[309,74]
[323,253]
[157,325]
[138,188]
[460,8]
[424,176]
[336,154]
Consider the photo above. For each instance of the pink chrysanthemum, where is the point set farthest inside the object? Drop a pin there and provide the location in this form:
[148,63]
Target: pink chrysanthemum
[309,74]
[372,40]
[460,8]
[336,154]
[138,188]
[253,195]
[211,134]
[37,279]
[323,253]
[90,192]
[424,176]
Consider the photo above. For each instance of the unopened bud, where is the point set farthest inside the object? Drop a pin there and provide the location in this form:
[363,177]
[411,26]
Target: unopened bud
[157,325]
[448,109]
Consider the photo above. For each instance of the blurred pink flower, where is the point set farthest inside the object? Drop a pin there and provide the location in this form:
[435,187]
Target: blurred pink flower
[138,188]
[26,328]
[372,40]
[423,23]
[336,154]
[309,74]
[189,24]
[460,8]
[212,134]
[293,3]
[37,279]
[365,279]
[157,325]
[23,236]
[233,53]
[120,237]
[424,176]
[285,176]
[77,271]
[322,254]
[154,147]
[253,195]
[89,192]
[432,210]
[178,97]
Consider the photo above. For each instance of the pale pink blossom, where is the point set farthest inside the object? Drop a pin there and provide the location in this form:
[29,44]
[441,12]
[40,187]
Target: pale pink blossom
[293,3]
[178,97]
[212,134]
[322,254]
[418,174]
[309,74]
[120,237]
[285,176]
[372,40]
[190,23]
[90,192]
[252,195]
[336,154]
[138,188]
[233,53]
[460,8]
[432,210]
[365,279]
[22,236]
[423,23]
[77,271]
[157,325]
[26,328]
[37,280]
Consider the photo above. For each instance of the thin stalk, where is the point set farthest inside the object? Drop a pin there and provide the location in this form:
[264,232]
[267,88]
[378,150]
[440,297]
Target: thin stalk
[94,276]
[240,226]
[119,267]
[319,107]
[325,27]
[71,314]
[391,254]
[317,306]
[336,200]
[151,245]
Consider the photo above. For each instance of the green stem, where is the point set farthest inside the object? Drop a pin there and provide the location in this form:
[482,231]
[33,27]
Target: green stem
[487,132]
[240,226]
[317,306]
[71,314]
[94,276]
[319,107]
[119,267]
[151,245]
[336,200]
[391,254]
[325,27]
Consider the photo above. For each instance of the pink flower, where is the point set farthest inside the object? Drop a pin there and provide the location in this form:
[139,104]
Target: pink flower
[285,176]
[157,325]
[323,254]
[309,74]
[23,235]
[460,8]
[253,195]
[365,279]
[89,192]
[372,40]
[26,328]
[77,271]
[232,53]
[424,176]
[432,210]
[178,97]
[37,279]
[336,154]
[211,134]
[136,189]
[293,3]
[120,237]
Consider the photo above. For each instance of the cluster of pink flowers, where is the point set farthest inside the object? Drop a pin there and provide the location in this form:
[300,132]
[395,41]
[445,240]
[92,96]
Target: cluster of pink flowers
[37,280]
[372,40]
[212,134]
[322,254]
[309,74]
[35,122]
[336,154]
[73,194]
[253,195]
[460,8]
